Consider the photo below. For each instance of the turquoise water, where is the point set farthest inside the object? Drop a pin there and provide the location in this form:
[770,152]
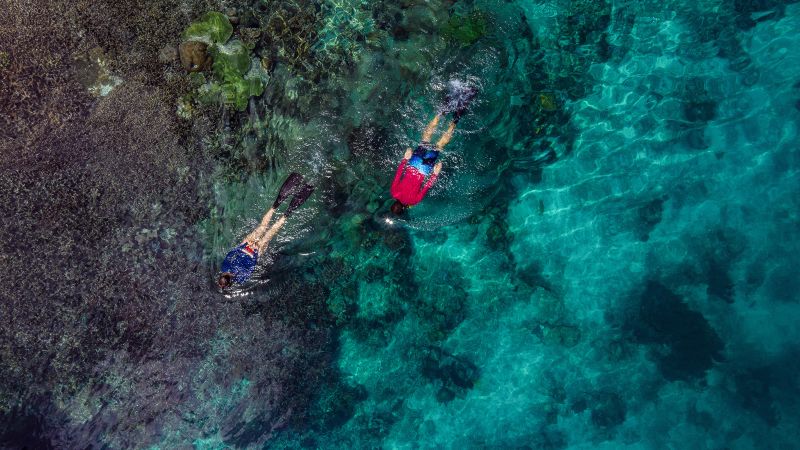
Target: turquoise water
[608,260]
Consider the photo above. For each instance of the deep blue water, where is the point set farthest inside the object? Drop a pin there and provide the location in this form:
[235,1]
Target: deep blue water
[609,259]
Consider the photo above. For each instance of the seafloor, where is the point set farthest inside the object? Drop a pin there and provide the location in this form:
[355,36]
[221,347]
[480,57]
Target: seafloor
[610,259]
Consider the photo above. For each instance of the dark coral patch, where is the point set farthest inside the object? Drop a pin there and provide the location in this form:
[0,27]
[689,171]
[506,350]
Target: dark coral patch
[687,346]
[720,284]
[648,216]
[608,410]
[366,140]
[700,111]
[456,373]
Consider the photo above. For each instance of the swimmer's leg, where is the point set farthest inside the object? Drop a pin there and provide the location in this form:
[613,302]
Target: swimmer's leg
[428,133]
[290,186]
[262,227]
[445,139]
[264,240]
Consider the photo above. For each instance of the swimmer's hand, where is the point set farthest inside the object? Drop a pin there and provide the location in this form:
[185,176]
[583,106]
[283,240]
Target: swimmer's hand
[437,168]
[408,153]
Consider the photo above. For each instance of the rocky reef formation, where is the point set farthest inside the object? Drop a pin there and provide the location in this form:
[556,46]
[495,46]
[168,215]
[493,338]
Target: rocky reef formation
[112,335]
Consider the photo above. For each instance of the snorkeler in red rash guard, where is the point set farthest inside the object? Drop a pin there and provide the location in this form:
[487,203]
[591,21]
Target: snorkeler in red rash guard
[409,185]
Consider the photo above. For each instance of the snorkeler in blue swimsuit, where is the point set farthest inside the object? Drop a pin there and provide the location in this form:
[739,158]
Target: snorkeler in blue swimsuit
[240,262]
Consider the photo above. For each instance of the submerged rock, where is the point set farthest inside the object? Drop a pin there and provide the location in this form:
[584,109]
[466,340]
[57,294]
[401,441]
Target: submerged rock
[92,70]
[194,56]
[168,54]
[233,15]
[547,101]
[249,36]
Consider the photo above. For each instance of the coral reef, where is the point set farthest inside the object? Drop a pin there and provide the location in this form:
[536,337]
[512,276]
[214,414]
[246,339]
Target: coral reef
[592,269]
[236,78]
[41,95]
[345,23]
[114,301]
[290,29]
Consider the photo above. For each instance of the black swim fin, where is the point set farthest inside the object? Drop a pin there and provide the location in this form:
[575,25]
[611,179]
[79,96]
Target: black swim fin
[466,98]
[299,198]
[459,95]
[290,186]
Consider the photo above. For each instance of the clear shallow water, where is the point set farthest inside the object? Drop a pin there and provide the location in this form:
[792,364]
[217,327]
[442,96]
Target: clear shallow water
[608,260]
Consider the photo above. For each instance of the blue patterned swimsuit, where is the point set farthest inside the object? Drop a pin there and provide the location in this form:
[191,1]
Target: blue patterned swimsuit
[241,261]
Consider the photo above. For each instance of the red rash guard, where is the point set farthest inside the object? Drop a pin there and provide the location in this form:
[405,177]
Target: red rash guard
[408,189]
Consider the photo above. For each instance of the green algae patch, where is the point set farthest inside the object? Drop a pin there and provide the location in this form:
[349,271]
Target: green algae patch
[466,30]
[234,78]
[230,60]
[234,82]
[214,28]
[233,93]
